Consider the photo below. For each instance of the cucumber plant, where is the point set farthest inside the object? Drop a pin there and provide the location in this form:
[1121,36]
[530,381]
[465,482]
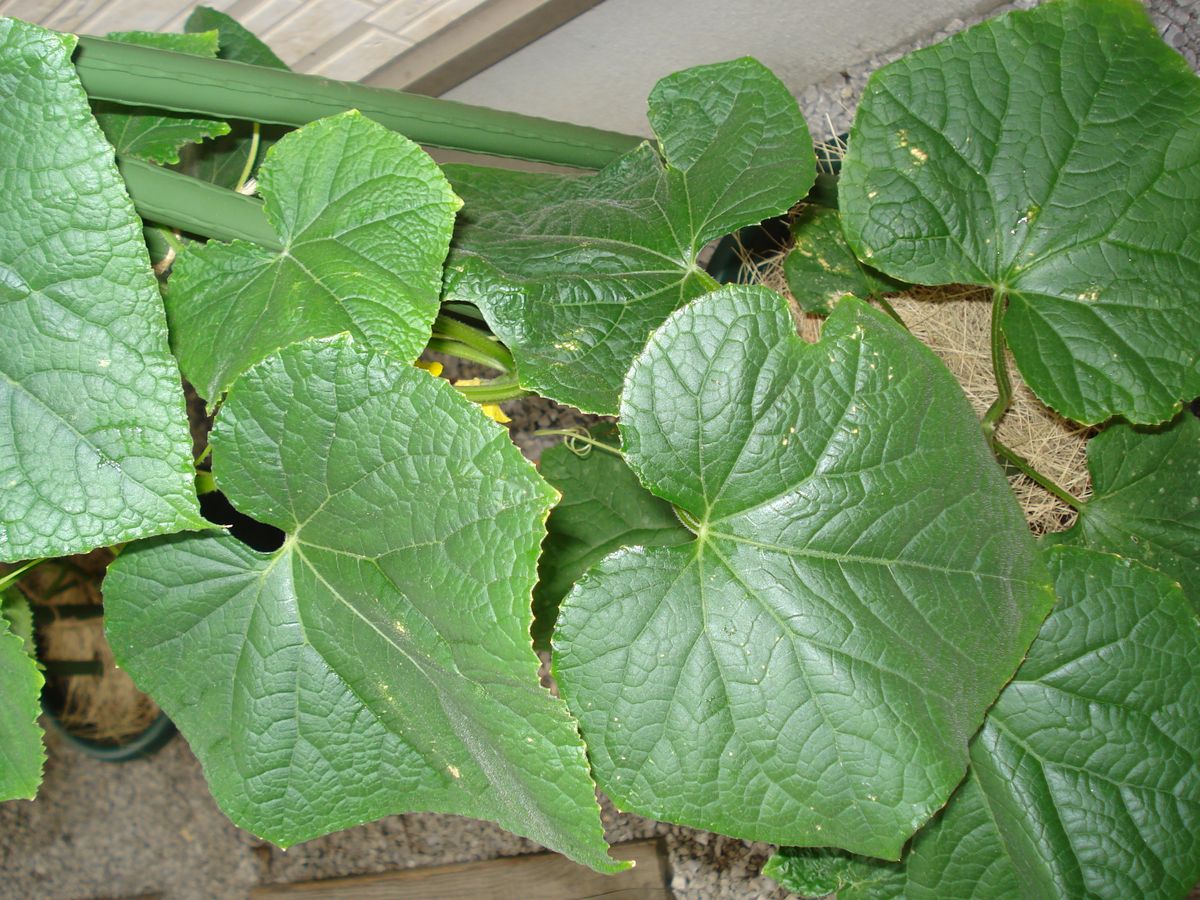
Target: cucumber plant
[790,595]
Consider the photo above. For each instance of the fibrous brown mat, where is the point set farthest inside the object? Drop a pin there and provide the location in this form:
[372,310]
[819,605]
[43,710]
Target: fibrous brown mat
[955,322]
[105,706]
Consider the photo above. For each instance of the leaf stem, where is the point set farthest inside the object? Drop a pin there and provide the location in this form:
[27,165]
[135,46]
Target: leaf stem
[996,411]
[205,483]
[255,137]
[506,387]
[890,310]
[578,436]
[464,310]
[19,571]
[449,328]
[1019,462]
[464,351]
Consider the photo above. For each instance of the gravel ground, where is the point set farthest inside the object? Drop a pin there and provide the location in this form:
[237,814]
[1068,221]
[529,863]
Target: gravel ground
[99,830]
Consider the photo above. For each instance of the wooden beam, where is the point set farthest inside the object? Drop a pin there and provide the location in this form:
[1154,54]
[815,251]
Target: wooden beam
[545,876]
[472,42]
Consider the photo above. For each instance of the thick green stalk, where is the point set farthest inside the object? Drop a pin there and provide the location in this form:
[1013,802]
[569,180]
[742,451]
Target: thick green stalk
[464,351]
[189,204]
[447,327]
[144,76]
[506,387]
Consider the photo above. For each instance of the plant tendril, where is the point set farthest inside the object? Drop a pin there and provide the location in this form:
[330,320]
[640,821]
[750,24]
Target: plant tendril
[578,441]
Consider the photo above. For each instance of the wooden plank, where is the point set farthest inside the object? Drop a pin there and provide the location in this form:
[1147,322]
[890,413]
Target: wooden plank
[545,876]
[468,45]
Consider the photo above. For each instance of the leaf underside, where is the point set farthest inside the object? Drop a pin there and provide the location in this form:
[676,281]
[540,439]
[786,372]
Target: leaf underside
[378,662]
[1053,154]
[810,668]
[155,135]
[94,446]
[1145,502]
[21,751]
[573,273]
[1083,780]
[364,216]
[603,508]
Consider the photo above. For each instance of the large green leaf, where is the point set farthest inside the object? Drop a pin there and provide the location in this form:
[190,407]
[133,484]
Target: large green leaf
[21,751]
[573,273]
[821,268]
[1146,499]
[94,447]
[224,160]
[603,508]
[1083,781]
[1055,155]
[16,609]
[364,217]
[236,41]
[810,668]
[156,135]
[379,661]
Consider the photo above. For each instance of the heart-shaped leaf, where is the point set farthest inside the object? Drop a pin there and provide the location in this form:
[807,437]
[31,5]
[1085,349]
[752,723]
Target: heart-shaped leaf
[379,661]
[1145,503]
[810,668]
[573,273]
[1083,781]
[1053,154]
[223,161]
[364,219]
[603,508]
[155,135]
[21,751]
[236,41]
[821,268]
[94,446]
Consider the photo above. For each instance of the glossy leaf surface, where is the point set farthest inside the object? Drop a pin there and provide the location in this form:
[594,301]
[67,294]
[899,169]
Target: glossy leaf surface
[1145,503]
[379,661]
[1055,155]
[94,446]
[364,218]
[810,668]
[603,508]
[821,268]
[21,751]
[573,273]
[155,135]
[1083,781]
[236,41]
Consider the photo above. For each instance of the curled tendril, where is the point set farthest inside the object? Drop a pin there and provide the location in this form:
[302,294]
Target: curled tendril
[578,440]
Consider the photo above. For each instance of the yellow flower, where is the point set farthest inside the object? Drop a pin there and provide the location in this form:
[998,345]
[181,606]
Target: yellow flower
[493,411]
[433,368]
